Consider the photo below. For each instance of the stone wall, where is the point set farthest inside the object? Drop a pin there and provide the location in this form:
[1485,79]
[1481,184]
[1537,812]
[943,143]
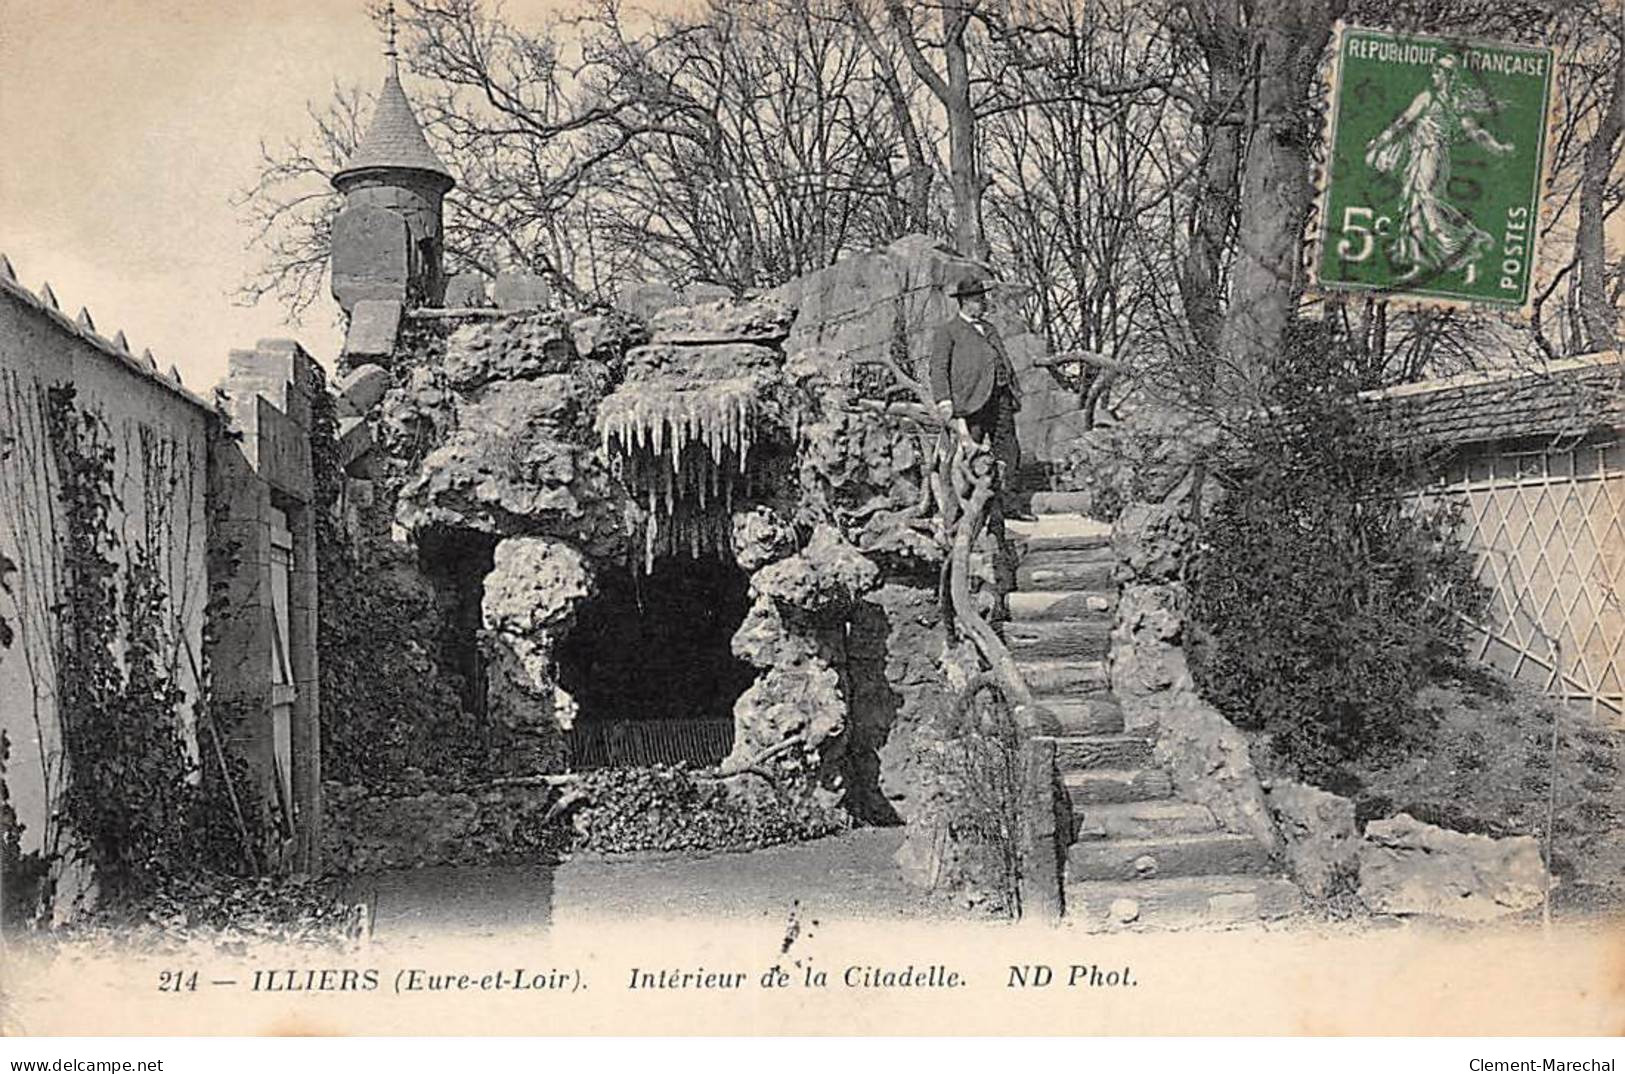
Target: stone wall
[265,673]
[198,489]
[159,434]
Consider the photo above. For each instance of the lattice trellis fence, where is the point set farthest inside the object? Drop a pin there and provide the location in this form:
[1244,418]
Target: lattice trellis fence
[1546,523]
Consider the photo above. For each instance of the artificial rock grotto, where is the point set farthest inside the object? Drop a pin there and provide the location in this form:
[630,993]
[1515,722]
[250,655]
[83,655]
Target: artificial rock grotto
[684,527]
[685,533]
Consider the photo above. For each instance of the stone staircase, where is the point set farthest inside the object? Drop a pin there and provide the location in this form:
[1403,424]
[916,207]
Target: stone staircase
[1142,858]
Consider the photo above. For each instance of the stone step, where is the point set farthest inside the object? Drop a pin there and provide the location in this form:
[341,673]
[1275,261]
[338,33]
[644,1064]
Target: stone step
[1065,677]
[1059,527]
[1065,552]
[1099,786]
[1097,576]
[1143,820]
[1061,604]
[1073,752]
[1085,715]
[1197,854]
[1181,902]
[1060,503]
[1077,639]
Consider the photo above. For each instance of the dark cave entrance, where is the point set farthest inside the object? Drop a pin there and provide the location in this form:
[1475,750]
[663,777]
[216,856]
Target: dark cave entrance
[651,667]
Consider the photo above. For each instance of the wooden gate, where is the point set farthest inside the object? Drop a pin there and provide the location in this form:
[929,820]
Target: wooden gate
[283,689]
[1545,522]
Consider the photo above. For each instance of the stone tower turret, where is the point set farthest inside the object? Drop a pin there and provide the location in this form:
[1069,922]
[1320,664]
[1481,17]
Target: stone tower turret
[387,242]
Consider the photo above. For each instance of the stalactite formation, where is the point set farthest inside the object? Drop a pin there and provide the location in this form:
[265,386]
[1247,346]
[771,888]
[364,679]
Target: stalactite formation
[683,455]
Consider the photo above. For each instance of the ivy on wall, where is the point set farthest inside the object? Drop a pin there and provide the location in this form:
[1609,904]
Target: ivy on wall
[119,708]
[98,622]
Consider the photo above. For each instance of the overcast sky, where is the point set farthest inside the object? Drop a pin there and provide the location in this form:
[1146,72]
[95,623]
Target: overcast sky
[126,127]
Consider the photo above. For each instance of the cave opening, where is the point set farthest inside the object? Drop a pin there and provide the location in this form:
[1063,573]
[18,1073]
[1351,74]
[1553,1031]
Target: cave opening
[651,667]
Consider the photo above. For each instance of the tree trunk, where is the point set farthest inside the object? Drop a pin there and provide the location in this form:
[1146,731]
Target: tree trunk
[1287,38]
[1213,209]
[964,178]
[954,92]
[1596,309]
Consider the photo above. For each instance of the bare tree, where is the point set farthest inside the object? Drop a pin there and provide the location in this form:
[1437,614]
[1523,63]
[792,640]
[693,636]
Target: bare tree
[951,87]
[1077,198]
[291,205]
[1597,311]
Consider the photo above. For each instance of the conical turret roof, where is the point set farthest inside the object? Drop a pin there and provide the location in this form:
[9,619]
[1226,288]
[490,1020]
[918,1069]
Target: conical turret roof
[395,139]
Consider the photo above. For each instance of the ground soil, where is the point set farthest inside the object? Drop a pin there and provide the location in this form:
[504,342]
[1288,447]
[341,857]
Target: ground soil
[1488,766]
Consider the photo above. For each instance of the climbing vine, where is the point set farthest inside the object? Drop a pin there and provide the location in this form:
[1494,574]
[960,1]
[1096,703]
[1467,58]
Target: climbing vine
[126,795]
[389,710]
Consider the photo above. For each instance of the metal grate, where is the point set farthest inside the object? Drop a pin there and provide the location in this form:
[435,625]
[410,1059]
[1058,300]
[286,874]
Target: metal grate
[634,743]
[1546,523]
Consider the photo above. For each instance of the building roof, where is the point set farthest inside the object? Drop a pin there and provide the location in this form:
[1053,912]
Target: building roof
[1574,397]
[395,139]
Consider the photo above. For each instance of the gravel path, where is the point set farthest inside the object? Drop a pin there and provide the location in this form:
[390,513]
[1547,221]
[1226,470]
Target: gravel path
[850,876]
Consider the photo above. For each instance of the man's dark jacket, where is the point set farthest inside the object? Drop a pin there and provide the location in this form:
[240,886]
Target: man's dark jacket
[966,366]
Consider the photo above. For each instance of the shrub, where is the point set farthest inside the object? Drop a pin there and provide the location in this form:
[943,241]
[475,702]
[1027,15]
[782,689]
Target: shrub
[667,808]
[1324,598]
[388,707]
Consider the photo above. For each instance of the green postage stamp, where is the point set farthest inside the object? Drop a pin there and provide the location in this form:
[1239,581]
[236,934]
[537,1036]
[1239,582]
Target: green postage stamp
[1434,173]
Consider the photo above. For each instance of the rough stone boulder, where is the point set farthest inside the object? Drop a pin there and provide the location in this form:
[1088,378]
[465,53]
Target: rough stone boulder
[1147,657]
[530,597]
[796,630]
[764,320]
[1051,416]
[788,702]
[1206,755]
[766,639]
[416,414]
[534,585]
[1139,459]
[1408,867]
[897,685]
[1209,760]
[607,335]
[760,536]
[825,577]
[520,348]
[857,306]
[1152,542]
[519,463]
[674,366]
[1318,829]
[868,474]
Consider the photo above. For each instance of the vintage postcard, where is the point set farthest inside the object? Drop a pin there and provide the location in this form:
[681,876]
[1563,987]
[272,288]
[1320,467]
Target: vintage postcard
[810,517]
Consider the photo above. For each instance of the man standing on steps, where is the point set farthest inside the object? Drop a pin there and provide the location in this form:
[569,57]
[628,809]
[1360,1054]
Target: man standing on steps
[973,381]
